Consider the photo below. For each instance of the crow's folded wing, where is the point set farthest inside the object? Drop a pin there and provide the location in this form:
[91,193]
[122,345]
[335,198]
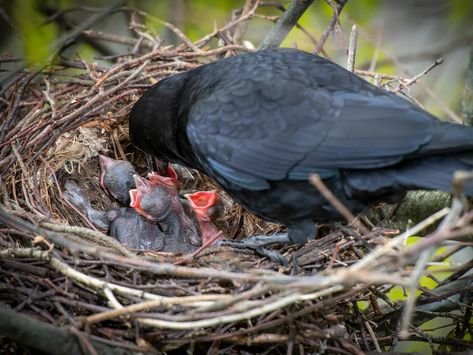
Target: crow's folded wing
[251,132]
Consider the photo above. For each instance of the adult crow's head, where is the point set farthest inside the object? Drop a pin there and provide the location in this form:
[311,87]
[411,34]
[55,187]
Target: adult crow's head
[147,130]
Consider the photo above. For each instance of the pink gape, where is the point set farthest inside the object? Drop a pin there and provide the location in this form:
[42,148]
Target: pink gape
[204,204]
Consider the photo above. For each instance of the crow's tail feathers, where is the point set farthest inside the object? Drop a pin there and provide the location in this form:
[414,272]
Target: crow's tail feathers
[432,173]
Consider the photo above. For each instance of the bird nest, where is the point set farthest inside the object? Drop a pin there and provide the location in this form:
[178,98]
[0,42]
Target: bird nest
[81,289]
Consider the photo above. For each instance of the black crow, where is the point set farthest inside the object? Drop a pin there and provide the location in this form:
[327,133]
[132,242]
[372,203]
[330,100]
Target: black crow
[261,123]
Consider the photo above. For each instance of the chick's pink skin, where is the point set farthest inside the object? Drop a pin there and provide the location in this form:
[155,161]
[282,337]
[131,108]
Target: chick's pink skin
[202,202]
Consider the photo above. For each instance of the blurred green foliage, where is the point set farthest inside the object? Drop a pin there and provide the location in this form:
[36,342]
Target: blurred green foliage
[460,11]
[197,18]
[37,37]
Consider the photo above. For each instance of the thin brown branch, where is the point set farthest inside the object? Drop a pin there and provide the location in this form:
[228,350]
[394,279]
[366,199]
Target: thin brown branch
[315,180]
[337,7]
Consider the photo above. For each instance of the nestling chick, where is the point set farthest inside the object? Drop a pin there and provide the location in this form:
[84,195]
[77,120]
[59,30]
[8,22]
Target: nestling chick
[205,205]
[171,184]
[155,203]
[117,178]
[123,224]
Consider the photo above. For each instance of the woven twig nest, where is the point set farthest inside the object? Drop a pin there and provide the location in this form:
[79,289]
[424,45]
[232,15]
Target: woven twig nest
[57,268]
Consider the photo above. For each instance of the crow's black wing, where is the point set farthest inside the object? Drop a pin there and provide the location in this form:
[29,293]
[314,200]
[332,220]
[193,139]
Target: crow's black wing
[251,131]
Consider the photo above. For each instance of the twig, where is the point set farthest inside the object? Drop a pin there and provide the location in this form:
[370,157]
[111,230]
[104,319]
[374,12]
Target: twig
[281,8]
[93,235]
[241,28]
[242,18]
[409,305]
[352,49]
[384,249]
[58,186]
[111,298]
[439,101]
[373,336]
[168,25]
[315,180]
[95,283]
[337,9]
[467,101]
[406,83]
[39,335]
[280,302]
[284,24]
[70,37]
[101,97]
[459,179]
[378,75]
[108,37]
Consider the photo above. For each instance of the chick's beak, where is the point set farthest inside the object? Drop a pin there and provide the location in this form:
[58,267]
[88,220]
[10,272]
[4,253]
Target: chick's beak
[135,198]
[142,185]
[105,164]
[168,181]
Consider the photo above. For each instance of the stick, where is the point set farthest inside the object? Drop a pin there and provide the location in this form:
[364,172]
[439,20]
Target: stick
[337,9]
[352,49]
[285,23]
[315,180]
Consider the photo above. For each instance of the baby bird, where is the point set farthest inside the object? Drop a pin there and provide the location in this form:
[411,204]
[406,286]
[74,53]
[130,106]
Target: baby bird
[123,224]
[155,203]
[116,176]
[171,184]
[205,205]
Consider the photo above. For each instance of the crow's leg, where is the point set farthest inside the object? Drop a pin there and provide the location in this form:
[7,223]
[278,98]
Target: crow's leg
[298,233]
[257,242]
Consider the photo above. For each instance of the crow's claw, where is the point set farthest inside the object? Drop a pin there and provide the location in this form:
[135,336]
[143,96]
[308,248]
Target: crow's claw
[257,244]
